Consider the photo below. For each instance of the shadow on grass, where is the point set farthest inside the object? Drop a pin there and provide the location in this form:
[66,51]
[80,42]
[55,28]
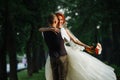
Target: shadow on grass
[22,75]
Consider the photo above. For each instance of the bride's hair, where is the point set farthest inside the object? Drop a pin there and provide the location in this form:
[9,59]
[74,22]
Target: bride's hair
[60,14]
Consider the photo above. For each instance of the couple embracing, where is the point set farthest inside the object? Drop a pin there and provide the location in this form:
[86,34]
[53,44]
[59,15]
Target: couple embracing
[70,62]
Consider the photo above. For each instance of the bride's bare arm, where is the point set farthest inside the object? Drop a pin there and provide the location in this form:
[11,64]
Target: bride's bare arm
[75,40]
[48,29]
[45,29]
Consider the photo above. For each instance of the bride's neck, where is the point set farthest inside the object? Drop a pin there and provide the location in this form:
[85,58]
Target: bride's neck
[60,26]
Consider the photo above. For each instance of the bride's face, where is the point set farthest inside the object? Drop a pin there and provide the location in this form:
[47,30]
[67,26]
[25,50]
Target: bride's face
[60,21]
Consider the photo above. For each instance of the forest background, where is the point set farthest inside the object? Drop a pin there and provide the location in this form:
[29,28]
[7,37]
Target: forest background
[91,21]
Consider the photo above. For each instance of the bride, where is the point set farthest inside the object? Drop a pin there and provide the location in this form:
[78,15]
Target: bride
[82,66]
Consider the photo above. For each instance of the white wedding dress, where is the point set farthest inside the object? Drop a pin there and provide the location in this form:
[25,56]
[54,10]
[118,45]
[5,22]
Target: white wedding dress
[82,66]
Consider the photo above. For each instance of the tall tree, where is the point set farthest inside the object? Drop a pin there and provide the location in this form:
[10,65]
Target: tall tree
[10,43]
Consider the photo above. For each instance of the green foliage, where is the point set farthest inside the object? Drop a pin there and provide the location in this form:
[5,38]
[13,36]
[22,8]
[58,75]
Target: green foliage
[117,69]
[89,15]
[24,15]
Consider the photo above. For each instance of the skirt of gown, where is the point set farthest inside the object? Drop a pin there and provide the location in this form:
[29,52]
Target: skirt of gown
[83,66]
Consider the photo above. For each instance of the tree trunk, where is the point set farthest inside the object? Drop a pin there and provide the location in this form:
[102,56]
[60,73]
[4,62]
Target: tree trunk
[29,58]
[42,56]
[38,55]
[12,57]
[34,60]
[116,47]
[29,53]
[10,45]
[3,73]
[13,63]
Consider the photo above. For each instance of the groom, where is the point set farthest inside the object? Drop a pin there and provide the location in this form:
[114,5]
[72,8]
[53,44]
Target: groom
[57,52]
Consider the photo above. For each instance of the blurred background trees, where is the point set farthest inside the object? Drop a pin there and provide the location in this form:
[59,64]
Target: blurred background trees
[91,21]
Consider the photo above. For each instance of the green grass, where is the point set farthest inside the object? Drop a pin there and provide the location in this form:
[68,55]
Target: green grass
[117,71]
[22,75]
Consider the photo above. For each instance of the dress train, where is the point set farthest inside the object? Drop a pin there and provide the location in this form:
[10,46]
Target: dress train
[83,66]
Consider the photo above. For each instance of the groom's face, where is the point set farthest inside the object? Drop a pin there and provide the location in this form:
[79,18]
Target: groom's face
[55,20]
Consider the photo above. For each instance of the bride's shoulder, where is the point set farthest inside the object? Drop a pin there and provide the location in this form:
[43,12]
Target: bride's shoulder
[62,28]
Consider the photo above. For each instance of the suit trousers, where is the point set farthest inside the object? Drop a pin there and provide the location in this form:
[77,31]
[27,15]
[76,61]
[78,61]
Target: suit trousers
[59,67]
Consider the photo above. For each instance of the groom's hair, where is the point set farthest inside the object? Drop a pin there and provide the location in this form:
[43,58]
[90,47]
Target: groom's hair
[50,18]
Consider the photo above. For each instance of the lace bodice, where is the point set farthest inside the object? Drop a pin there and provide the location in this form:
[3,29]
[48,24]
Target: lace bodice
[65,35]
[70,42]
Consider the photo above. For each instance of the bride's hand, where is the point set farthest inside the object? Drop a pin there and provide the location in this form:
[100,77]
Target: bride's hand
[56,30]
[89,47]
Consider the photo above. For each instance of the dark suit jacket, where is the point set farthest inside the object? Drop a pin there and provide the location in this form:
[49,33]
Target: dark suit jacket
[55,43]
